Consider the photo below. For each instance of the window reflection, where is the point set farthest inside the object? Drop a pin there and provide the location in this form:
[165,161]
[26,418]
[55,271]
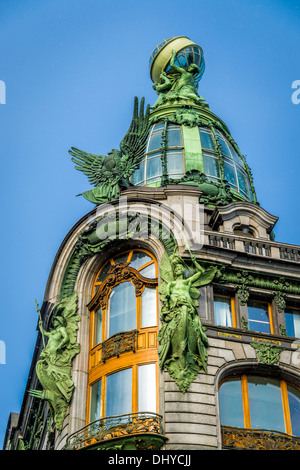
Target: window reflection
[119,393]
[122,308]
[260,403]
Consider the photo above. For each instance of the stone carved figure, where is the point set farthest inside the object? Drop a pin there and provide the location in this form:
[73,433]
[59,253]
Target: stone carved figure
[54,366]
[182,340]
[109,174]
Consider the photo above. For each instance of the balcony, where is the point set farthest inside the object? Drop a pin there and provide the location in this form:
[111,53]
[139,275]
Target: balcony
[257,439]
[134,431]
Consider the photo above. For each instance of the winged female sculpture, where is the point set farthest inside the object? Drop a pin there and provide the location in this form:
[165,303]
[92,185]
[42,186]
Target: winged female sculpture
[54,366]
[109,174]
[182,351]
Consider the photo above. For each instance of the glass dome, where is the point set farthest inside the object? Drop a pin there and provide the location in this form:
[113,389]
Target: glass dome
[168,157]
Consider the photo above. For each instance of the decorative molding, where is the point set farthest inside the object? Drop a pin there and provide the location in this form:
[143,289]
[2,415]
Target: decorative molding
[118,344]
[116,274]
[257,439]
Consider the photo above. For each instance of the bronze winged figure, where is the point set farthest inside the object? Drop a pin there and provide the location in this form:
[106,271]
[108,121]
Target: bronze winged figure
[110,174]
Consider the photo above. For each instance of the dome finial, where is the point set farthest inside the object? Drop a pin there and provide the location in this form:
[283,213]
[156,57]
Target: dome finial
[176,67]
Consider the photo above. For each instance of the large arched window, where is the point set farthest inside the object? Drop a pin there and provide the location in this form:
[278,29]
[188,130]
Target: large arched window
[123,366]
[256,402]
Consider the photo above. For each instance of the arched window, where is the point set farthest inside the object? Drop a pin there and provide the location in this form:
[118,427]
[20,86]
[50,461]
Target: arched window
[255,402]
[123,348]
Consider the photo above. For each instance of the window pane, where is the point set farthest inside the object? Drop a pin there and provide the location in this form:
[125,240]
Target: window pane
[154,167]
[174,138]
[229,174]
[258,316]
[266,411]
[294,404]
[207,141]
[222,311]
[119,393]
[243,185]
[147,388]
[211,166]
[122,308]
[155,141]
[139,174]
[103,272]
[149,307]
[149,271]
[175,163]
[98,327]
[95,407]
[231,403]
[121,258]
[139,258]
[224,148]
[292,322]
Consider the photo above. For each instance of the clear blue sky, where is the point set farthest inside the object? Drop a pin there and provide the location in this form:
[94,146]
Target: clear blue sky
[72,69]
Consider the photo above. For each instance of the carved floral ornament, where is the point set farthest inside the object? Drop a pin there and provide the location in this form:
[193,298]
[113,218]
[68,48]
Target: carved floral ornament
[116,274]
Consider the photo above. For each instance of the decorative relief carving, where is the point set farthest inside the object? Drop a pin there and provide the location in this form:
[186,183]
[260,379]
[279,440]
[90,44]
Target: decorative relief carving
[116,274]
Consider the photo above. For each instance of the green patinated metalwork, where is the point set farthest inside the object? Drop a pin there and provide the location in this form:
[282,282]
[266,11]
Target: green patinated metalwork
[109,174]
[55,363]
[118,231]
[182,351]
[267,352]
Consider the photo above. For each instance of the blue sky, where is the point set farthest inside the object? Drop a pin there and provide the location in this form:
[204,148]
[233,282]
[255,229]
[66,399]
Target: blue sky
[71,70]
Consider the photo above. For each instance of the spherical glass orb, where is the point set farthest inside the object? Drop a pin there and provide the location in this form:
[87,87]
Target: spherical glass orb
[188,53]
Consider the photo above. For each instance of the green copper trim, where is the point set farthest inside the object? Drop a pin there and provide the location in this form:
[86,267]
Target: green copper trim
[192,149]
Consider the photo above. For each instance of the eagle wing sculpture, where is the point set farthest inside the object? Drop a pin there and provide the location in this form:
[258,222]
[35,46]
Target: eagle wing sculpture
[109,174]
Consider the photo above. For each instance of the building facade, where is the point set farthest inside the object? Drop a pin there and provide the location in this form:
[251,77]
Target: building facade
[171,316]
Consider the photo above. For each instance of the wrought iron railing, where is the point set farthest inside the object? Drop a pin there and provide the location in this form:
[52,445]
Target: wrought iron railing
[113,427]
[258,439]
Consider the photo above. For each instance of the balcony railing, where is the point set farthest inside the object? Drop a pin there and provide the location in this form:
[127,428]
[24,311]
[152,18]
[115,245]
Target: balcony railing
[116,427]
[258,439]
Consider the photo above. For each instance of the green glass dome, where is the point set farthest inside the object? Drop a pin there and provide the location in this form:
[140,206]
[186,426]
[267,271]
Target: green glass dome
[192,152]
[187,143]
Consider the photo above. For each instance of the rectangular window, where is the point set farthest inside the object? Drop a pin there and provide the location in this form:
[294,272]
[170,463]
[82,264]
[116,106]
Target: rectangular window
[207,141]
[259,316]
[95,401]
[223,310]
[122,309]
[98,327]
[119,393]
[211,166]
[231,403]
[147,388]
[292,322]
[149,307]
[265,404]
[175,164]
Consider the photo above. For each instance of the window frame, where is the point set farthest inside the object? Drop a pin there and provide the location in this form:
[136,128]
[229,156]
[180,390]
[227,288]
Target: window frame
[283,384]
[233,309]
[145,351]
[270,315]
[134,389]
